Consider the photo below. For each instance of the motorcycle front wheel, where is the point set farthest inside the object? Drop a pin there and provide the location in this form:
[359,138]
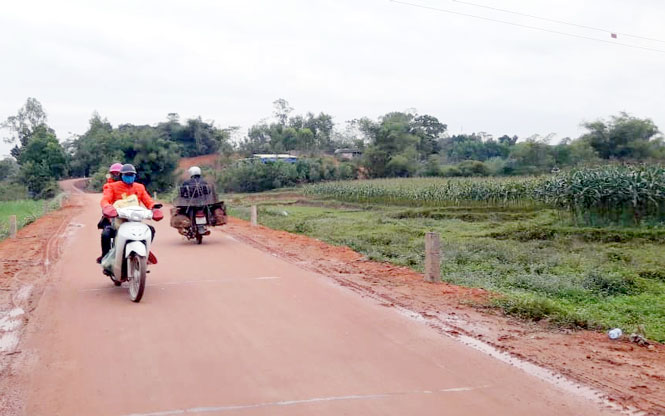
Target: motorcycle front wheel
[136,272]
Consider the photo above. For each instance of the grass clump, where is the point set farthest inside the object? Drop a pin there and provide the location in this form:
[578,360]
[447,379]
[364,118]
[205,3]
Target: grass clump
[26,211]
[607,284]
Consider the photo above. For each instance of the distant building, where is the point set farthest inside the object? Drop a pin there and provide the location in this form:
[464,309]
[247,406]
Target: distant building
[348,153]
[275,157]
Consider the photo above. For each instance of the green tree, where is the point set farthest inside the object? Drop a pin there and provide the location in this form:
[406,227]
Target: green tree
[43,161]
[154,156]
[321,127]
[8,168]
[390,137]
[507,140]
[532,156]
[581,153]
[308,134]
[200,138]
[281,111]
[30,119]
[624,137]
[97,147]
[430,130]
[474,147]
[258,140]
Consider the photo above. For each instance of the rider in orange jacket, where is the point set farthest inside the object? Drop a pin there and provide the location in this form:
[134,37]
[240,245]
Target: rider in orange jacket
[118,190]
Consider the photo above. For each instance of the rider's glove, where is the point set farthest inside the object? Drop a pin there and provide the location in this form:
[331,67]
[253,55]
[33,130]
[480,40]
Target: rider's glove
[157,214]
[109,211]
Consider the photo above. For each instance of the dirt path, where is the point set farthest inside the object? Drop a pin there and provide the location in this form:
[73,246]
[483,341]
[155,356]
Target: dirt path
[24,264]
[225,328]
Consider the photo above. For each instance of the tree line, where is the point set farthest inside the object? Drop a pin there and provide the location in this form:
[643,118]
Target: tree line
[407,144]
[38,159]
[397,144]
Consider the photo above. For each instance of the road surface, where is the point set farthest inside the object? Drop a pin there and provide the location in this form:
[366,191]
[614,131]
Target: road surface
[226,329]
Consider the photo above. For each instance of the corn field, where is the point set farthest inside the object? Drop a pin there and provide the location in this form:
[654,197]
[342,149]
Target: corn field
[433,191]
[611,194]
[594,196]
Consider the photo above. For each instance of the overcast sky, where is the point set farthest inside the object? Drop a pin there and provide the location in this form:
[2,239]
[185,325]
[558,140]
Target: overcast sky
[227,61]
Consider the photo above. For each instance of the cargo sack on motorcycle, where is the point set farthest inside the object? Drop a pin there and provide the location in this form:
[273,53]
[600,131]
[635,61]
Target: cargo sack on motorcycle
[174,212]
[179,220]
[219,216]
[127,201]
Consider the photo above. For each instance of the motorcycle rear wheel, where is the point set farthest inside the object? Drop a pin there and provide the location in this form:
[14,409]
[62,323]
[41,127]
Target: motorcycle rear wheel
[136,274]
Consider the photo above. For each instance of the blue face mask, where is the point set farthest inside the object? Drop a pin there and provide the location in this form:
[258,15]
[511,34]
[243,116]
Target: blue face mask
[128,179]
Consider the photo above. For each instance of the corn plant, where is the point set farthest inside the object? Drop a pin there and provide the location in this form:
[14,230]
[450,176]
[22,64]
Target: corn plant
[594,196]
[611,194]
[433,192]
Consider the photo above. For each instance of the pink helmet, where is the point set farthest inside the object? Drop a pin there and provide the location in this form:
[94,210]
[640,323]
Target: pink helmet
[115,168]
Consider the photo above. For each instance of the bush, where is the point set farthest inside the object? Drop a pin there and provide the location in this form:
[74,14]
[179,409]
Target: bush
[400,166]
[98,180]
[432,167]
[529,307]
[10,191]
[8,168]
[255,176]
[451,172]
[608,284]
[36,177]
[473,168]
[497,166]
[48,191]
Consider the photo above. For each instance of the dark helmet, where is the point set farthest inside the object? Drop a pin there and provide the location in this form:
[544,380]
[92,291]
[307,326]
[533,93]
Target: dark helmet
[128,168]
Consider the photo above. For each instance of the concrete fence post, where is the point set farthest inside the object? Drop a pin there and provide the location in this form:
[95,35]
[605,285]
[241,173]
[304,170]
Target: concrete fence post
[12,226]
[45,206]
[254,216]
[432,257]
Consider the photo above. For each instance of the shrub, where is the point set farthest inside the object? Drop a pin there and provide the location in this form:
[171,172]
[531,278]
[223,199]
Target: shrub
[529,307]
[255,176]
[451,172]
[473,168]
[607,284]
[10,191]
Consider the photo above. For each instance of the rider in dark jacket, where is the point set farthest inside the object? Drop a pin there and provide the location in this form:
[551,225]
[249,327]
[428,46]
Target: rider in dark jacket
[195,186]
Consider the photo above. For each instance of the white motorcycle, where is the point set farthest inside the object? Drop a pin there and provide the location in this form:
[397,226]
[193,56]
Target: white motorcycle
[127,261]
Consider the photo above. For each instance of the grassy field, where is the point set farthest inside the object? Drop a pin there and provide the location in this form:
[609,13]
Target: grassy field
[541,264]
[26,211]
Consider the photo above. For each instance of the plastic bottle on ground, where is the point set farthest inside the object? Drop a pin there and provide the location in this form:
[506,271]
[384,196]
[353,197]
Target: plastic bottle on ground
[615,333]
